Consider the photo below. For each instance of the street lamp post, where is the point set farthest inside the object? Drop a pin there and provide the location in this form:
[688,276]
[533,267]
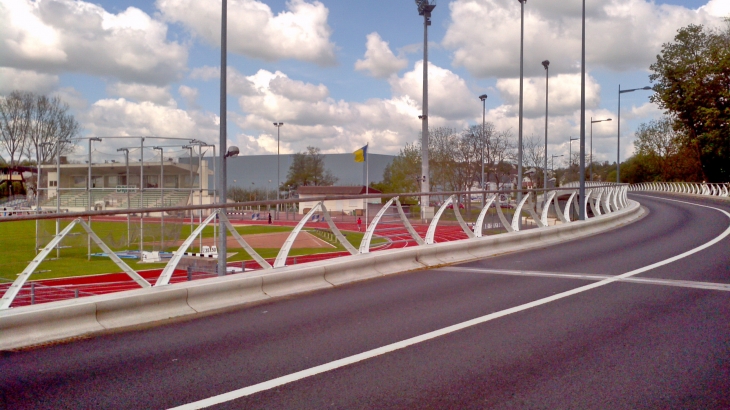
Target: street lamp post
[278,130]
[190,164]
[519,133]
[483,97]
[41,146]
[58,191]
[425,9]
[593,122]
[618,138]
[88,184]
[553,162]
[162,196]
[268,188]
[546,64]
[126,183]
[570,151]
[582,174]
[221,177]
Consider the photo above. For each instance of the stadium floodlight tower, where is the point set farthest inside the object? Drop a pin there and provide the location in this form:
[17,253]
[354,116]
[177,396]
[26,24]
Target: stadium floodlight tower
[425,7]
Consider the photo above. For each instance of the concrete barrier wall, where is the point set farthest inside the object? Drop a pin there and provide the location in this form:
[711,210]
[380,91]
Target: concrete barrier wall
[33,325]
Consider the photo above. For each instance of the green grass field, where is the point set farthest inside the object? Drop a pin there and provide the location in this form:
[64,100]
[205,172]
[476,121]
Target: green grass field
[17,243]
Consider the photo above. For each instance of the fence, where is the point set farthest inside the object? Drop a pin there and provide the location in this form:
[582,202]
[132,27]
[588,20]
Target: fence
[119,252]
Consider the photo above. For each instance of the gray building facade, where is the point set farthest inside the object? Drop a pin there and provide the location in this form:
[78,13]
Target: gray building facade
[255,171]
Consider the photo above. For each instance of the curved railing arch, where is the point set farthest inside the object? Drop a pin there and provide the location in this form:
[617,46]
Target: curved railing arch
[692,188]
[602,198]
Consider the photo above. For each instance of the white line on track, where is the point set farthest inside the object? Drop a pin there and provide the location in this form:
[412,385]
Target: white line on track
[279,381]
[585,276]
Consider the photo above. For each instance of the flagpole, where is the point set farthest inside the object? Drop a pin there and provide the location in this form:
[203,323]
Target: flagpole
[367,182]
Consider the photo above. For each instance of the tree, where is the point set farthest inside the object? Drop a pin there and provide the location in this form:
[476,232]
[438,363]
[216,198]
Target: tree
[307,169]
[15,115]
[50,127]
[35,126]
[501,153]
[692,83]
[533,155]
[403,174]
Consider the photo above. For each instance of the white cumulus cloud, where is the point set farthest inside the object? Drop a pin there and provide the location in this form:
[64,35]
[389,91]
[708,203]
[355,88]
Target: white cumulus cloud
[564,95]
[448,95]
[142,92]
[620,34]
[189,94]
[301,32]
[379,59]
[123,117]
[717,8]
[26,80]
[65,35]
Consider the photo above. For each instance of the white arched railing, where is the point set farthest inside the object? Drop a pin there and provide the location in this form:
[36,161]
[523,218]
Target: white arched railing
[601,198]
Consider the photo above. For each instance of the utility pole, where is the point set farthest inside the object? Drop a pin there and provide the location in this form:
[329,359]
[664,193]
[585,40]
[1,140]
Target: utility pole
[425,9]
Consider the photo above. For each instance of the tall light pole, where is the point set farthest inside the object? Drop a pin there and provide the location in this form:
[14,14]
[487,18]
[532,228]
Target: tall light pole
[545,64]
[519,133]
[278,130]
[190,164]
[425,9]
[41,146]
[553,162]
[222,248]
[126,183]
[162,197]
[483,97]
[582,183]
[593,122]
[58,192]
[570,151]
[618,138]
[88,184]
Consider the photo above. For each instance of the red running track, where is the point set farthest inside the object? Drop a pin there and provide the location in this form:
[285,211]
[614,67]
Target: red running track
[50,290]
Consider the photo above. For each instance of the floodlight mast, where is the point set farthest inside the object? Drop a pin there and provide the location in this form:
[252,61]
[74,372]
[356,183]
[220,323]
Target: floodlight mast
[424,9]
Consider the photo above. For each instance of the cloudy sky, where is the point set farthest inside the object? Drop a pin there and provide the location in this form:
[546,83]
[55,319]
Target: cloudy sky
[338,73]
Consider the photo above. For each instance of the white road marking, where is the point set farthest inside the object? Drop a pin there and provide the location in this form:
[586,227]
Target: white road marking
[280,381]
[586,276]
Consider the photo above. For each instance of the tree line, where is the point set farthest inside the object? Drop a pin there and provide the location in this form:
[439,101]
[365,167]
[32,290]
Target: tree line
[692,85]
[33,128]
[455,160]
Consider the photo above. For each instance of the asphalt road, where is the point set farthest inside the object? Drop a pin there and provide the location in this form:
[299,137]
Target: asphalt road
[619,345]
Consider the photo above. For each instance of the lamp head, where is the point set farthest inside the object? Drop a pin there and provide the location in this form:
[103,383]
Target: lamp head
[232,151]
[425,7]
[545,64]
[646,88]
[483,97]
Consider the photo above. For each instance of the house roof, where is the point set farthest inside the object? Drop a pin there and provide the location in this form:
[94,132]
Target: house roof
[335,190]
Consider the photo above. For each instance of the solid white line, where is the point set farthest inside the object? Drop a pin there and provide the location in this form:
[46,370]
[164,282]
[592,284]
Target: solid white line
[279,381]
[587,276]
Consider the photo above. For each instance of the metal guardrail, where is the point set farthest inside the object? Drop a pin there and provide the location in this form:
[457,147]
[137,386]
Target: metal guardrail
[534,205]
[696,188]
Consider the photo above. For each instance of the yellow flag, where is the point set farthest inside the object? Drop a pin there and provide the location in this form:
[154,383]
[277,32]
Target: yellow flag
[361,154]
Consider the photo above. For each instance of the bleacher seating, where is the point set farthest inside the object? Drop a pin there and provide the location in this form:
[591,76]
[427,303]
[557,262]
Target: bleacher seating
[113,199]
